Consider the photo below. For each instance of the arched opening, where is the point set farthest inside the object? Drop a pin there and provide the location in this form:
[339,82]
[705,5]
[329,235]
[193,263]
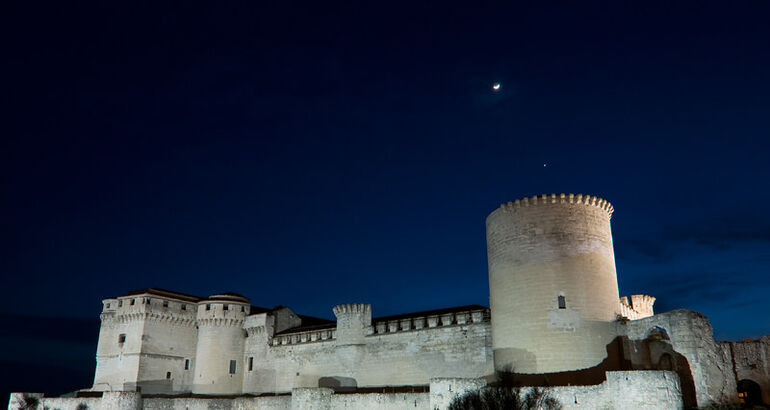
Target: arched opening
[749,392]
[665,362]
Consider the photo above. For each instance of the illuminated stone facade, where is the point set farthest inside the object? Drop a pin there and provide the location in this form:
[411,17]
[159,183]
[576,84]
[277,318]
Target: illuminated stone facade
[556,319]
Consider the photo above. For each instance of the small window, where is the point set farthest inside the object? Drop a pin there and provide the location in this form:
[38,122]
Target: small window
[251,363]
[168,375]
[120,303]
[226,307]
[243,308]
[147,300]
[187,364]
[165,303]
[208,306]
[562,302]
[122,338]
[232,366]
[184,307]
[108,306]
[133,301]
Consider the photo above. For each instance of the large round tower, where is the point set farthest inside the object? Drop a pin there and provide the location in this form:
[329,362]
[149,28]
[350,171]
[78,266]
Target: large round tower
[553,288]
[221,337]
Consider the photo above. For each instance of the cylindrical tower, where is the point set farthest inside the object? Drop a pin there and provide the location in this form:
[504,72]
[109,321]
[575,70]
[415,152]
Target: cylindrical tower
[219,353]
[553,289]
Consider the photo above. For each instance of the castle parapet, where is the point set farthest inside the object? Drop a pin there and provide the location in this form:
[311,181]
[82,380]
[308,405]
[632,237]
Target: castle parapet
[560,199]
[150,305]
[305,336]
[429,320]
[640,307]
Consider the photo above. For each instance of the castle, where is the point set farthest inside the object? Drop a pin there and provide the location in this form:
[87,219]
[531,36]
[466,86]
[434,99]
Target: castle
[555,318]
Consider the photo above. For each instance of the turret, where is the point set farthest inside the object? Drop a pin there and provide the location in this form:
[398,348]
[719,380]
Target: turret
[553,285]
[220,350]
[354,322]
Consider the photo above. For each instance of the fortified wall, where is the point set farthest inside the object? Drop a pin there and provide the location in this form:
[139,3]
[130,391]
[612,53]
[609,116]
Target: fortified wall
[555,319]
[652,390]
[163,342]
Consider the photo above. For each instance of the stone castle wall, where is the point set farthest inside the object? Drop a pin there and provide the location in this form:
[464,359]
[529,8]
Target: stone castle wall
[454,347]
[622,390]
[750,360]
[687,337]
[555,312]
[146,338]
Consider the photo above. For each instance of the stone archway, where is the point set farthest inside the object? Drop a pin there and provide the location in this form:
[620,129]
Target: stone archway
[749,392]
[666,362]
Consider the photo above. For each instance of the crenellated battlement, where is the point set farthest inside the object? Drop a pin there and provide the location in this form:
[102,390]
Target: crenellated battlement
[417,322]
[223,307]
[305,336]
[221,322]
[472,315]
[255,331]
[560,199]
[639,307]
[168,318]
[352,308]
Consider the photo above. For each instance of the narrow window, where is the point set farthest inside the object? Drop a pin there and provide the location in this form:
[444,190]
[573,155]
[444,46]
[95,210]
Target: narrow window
[165,303]
[562,302]
[133,301]
[232,366]
[168,375]
[251,363]
[226,307]
[208,306]
[108,306]
[120,303]
[147,300]
[122,338]
[187,364]
[243,308]
[184,307]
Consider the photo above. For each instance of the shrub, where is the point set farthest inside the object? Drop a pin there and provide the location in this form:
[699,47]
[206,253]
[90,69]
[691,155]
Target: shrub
[505,398]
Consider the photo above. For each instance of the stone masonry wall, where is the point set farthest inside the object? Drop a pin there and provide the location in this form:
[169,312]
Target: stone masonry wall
[552,283]
[391,359]
[751,361]
[649,390]
[691,335]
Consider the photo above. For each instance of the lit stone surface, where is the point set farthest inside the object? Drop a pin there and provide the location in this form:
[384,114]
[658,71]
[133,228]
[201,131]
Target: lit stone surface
[539,249]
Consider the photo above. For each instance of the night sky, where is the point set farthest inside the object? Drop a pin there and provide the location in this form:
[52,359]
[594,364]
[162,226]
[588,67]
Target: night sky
[310,155]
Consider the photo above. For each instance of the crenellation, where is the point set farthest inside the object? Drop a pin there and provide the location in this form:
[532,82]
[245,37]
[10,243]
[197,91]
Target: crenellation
[353,308]
[639,307]
[442,320]
[310,336]
[554,199]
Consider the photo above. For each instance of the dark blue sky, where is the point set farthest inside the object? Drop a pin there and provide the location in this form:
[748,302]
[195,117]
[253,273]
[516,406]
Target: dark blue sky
[314,155]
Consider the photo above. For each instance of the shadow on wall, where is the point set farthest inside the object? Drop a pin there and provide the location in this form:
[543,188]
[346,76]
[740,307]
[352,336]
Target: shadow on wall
[653,353]
[163,386]
[338,383]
